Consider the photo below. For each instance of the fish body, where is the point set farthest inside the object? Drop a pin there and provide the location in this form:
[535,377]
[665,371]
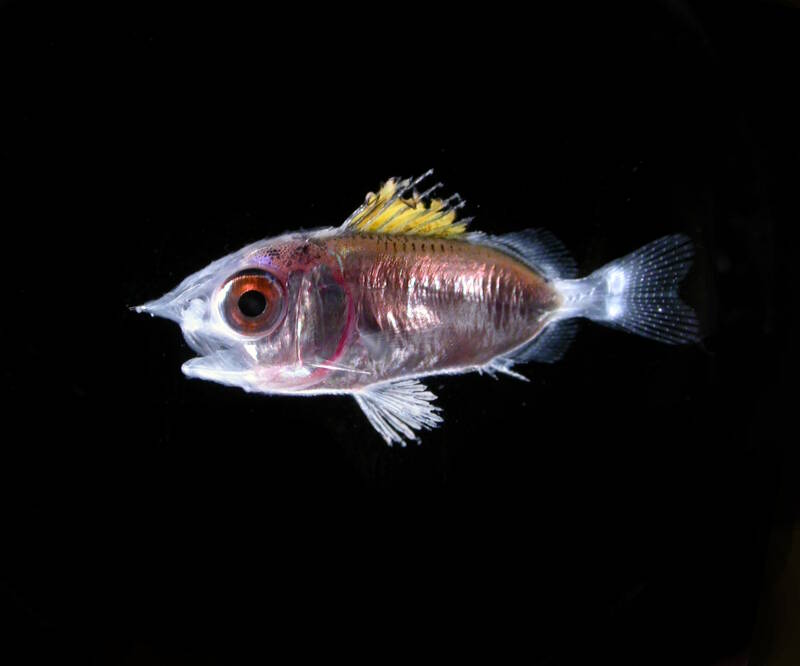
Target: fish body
[420,306]
[401,291]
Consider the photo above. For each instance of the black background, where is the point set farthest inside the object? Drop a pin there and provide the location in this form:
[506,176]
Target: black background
[616,508]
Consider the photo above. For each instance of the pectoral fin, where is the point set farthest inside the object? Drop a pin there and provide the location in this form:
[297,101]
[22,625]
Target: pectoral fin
[397,409]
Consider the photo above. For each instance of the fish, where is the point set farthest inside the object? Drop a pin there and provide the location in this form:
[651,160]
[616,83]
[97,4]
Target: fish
[402,290]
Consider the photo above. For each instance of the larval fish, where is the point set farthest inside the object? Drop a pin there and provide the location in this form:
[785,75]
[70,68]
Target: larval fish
[400,291]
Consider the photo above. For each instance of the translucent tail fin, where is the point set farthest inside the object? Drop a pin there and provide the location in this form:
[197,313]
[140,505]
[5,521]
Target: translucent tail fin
[638,293]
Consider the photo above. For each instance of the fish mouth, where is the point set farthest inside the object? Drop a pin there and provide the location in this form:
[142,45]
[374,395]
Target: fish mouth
[227,366]
[217,359]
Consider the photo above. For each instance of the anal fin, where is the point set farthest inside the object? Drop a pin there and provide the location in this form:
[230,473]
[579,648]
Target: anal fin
[397,409]
[548,346]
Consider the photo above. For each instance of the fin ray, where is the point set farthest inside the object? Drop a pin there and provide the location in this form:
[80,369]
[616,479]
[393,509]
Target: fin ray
[549,345]
[396,409]
[398,209]
[538,248]
[639,292]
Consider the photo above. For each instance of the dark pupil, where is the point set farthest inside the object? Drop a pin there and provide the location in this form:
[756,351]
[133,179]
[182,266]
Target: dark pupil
[252,303]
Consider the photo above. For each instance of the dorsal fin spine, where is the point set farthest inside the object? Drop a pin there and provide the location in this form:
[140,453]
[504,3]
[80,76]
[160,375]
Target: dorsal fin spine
[429,191]
[392,211]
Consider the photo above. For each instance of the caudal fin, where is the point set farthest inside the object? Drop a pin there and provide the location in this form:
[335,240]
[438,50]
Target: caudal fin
[638,293]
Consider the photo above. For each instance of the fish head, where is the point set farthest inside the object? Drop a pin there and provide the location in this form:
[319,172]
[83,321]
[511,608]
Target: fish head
[263,318]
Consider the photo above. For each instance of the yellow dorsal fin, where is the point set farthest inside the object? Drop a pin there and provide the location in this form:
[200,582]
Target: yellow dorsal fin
[398,209]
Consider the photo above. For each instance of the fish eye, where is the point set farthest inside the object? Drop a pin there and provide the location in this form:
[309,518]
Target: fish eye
[252,302]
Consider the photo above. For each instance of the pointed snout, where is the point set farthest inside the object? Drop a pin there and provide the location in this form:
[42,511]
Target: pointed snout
[162,307]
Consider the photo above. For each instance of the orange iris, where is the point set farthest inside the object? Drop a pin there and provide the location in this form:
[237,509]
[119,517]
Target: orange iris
[252,302]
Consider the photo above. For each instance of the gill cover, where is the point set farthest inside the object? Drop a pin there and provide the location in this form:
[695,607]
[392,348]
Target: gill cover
[324,313]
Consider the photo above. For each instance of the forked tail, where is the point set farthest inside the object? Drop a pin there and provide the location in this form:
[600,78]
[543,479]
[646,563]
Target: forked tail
[638,293]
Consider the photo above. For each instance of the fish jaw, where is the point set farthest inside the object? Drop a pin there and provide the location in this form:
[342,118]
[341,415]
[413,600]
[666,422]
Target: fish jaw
[233,367]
